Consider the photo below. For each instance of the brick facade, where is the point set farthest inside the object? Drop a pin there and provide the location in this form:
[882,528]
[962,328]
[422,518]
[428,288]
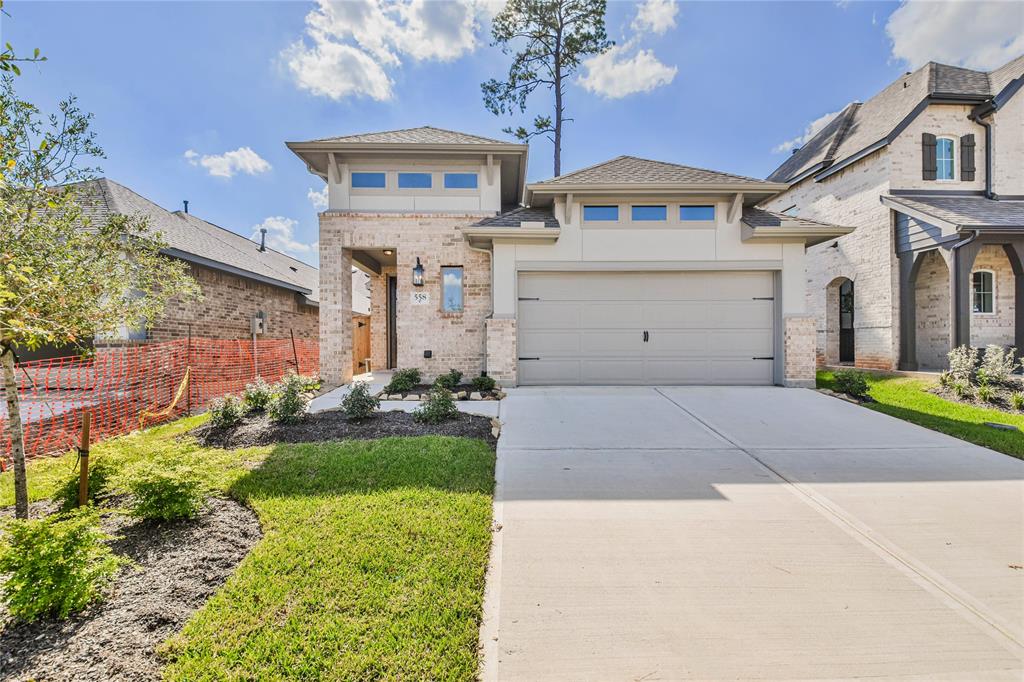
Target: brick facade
[932,303]
[799,339]
[996,328]
[502,357]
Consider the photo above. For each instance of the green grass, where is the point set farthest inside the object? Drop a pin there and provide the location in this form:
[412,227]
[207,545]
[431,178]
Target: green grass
[371,565]
[909,399]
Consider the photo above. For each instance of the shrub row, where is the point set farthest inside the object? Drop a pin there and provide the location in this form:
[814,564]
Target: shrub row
[284,402]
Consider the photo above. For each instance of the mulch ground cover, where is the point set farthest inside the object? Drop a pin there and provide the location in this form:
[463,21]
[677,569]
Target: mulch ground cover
[466,389]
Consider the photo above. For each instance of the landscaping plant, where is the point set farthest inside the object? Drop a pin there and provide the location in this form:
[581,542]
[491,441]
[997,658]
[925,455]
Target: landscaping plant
[1017,400]
[851,382]
[450,379]
[403,381]
[165,492]
[290,400]
[226,412]
[962,362]
[102,474]
[359,403]
[57,565]
[961,388]
[257,395]
[483,383]
[998,364]
[986,393]
[438,406]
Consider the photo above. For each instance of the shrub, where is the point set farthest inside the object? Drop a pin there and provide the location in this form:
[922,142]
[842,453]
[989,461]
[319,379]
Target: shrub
[998,364]
[226,412]
[56,565]
[359,404]
[1017,400]
[403,381]
[962,389]
[851,382]
[309,383]
[986,393]
[962,361]
[483,383]
[165,492]
[257,395]
[438,406]
[289,402]
[450,379]
[945,379]
[102,473]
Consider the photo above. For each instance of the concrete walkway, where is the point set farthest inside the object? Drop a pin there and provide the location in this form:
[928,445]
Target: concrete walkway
[747,533]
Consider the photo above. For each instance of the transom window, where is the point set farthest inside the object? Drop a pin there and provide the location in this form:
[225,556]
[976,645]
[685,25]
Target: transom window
[696,213]
[451,289]
[640,213]
[983,285]
[363,180]
[460,180]
[415,181]
[602,213]
[944,158]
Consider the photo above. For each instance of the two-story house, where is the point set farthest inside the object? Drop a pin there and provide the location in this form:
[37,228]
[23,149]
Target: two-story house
[931,173]
[627,272]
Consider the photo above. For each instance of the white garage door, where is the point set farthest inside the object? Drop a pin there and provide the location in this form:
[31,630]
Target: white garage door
[663,328]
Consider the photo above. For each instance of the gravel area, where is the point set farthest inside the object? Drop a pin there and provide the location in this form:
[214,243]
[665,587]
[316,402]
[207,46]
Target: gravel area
[177,566]
[334,425]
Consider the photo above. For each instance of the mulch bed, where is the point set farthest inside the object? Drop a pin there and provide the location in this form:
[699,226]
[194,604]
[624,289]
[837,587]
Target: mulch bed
[1001,400]
[423,389]
[334,425]
[178,566]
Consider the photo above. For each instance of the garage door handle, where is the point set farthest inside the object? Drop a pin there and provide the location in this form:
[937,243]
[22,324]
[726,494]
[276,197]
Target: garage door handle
[647,337]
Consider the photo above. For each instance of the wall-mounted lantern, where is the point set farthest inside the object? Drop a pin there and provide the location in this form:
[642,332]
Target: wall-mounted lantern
[417,273]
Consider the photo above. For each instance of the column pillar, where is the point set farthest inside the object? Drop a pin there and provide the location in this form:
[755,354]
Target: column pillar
[335,309]
[910,263]
[961,263]
[1015,252]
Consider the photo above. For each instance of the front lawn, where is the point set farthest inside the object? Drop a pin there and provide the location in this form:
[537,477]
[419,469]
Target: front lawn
[909,399]
[371,565]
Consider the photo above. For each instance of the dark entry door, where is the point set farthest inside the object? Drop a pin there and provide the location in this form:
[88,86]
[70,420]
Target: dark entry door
[846,353]
[392,319]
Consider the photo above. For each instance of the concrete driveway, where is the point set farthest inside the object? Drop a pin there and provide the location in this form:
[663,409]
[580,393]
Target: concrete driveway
[747,533]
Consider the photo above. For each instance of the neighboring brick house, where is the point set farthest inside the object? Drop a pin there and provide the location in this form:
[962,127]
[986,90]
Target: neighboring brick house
[931,173]
[627,272]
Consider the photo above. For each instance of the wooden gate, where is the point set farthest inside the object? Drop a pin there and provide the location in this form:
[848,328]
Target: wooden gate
[360,343]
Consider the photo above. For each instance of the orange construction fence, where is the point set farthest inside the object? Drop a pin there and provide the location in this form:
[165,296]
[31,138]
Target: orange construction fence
[126,388]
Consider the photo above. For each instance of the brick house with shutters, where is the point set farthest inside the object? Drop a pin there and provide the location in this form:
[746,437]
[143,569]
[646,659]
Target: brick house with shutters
[931,173]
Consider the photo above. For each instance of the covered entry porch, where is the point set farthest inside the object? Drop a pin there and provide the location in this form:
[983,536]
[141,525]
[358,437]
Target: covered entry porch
[961,275]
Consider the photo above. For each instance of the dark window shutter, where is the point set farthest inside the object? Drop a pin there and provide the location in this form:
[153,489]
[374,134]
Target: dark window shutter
[967,157]
[927,156]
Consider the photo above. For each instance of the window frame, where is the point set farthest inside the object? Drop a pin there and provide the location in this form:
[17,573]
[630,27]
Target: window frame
[462,290]
[427,174]
[991,293]
[583,212]
[939,139]
[476,181]
[353,174]
[711,220]
[633,217]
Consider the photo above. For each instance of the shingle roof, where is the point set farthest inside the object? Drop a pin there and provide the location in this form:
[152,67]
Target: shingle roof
[421,135]
[967,211]
[758,217]
[188,234]
[633,170]
[861,125]
[523,214]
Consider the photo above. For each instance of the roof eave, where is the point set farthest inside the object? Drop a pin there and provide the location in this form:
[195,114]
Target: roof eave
[413,147]
[811,236]
[224,267]
[651,187]
[487,235]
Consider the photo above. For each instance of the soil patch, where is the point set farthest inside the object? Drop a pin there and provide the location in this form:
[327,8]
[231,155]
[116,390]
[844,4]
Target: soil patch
[1000,396]
[334,425]
[178,566]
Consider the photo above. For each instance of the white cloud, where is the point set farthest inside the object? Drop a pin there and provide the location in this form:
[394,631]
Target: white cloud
[281,236]
[318,199]
[812,129]
[620,72]
[226,165]
[350,45]
[656,16]
[975,35]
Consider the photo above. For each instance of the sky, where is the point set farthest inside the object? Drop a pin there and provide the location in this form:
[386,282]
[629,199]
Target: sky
[195,100]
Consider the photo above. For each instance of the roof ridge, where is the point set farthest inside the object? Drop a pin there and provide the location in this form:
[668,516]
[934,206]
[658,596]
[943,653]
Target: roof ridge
[247,239]
[699,168]
[411,129]
[840,134]
[585,168]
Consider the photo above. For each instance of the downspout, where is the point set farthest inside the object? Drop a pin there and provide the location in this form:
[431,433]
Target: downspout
[954,273]
[978,115]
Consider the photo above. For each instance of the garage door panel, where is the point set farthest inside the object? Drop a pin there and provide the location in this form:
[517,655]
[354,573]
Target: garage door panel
[533,315]
[613,343]
[675,314]
[610,316]
[740,314]
[741,343]
[685,344]
[741,372]
[612,371]
[739,285]
[564,344]
[565,372]
[676,371]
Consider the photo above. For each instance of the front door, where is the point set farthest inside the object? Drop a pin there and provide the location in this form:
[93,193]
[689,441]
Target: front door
[846,353]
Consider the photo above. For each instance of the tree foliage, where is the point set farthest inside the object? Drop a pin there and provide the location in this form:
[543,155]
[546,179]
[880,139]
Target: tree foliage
[548,39]
[9,59]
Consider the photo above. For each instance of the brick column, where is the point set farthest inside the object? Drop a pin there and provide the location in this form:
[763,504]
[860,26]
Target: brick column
[502,361]
[799,351]
[335,309]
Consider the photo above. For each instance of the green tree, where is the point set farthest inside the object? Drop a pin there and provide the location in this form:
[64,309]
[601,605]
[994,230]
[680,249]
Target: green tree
[9,60]
[548,40]
[62,277]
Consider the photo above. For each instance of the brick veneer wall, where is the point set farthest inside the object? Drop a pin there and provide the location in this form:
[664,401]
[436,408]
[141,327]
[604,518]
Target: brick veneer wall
[799,339]
[502,357]
[456,340]
[227,307]
[932,303]
[998,327]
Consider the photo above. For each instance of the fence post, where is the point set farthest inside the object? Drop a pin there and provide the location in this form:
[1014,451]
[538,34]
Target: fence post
[295,353]
[188,373]
[83,454]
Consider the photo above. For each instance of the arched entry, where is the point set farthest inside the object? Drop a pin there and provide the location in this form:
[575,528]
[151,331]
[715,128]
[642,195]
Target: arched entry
[839,318]
[846,335]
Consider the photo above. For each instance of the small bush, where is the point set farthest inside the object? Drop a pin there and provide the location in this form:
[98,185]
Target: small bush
[359,404]
[1017,400]
[450,379]
[945,379]
[226,412]
[403,381]
[851,382]
[962,389]
[57,565]
[165,493]
[438,406]
[102,474]
[483,383]
[257,395]
[309,383]
[986,393]
[998,364]
[289,402]
[962,363]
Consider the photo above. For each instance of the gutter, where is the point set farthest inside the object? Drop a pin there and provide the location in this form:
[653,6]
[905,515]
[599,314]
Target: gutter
[978,115]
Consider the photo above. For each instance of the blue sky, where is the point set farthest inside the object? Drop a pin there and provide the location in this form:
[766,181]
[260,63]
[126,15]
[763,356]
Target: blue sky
[176,86]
